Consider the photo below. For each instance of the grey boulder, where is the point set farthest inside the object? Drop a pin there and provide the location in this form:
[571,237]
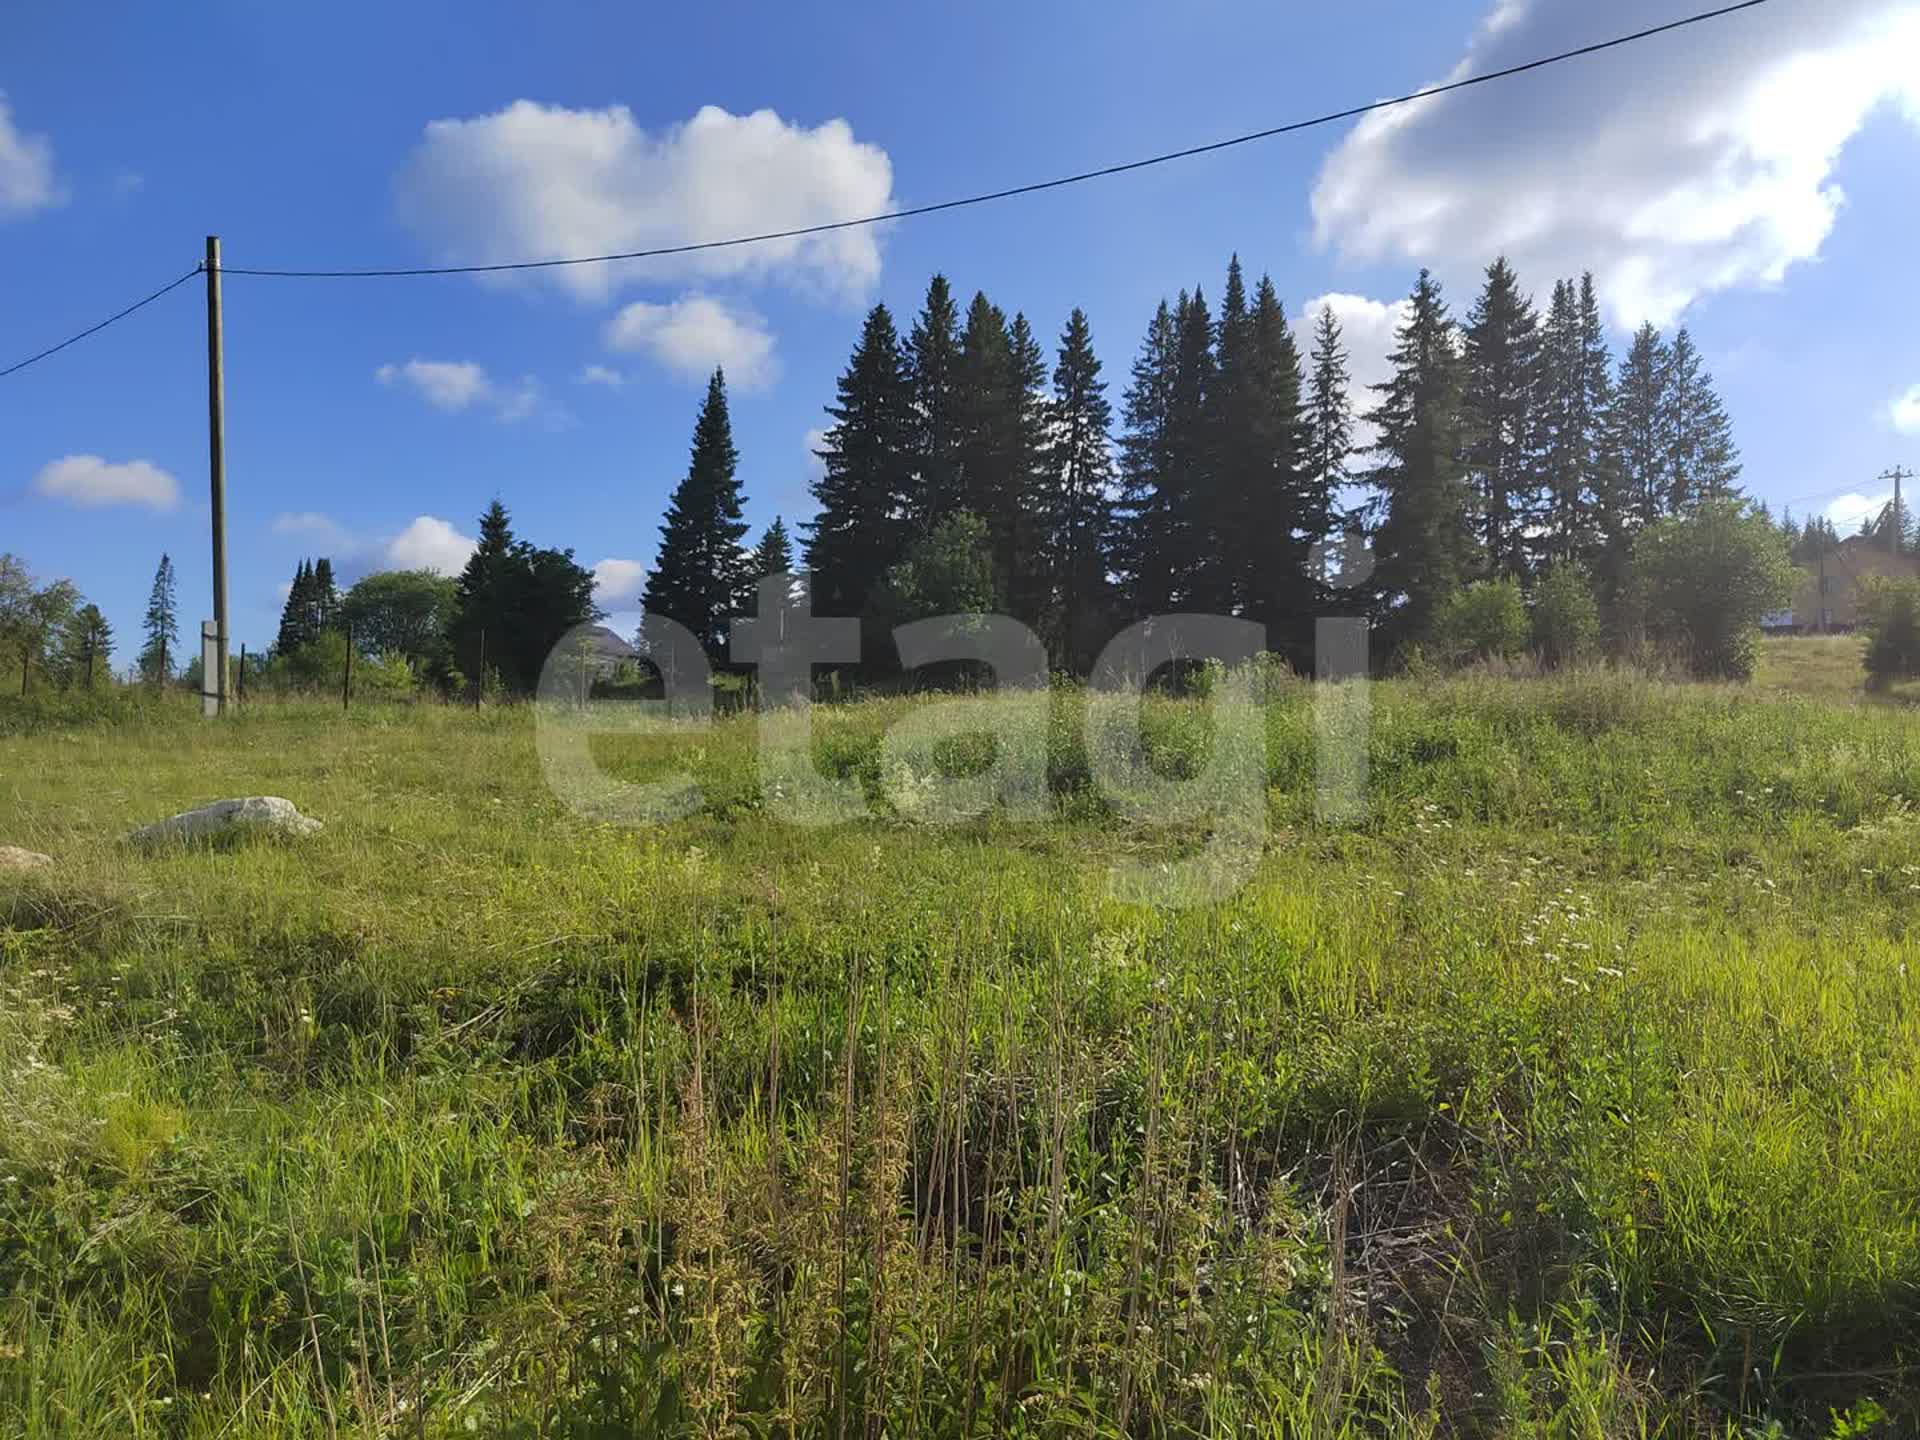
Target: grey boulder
[256,814]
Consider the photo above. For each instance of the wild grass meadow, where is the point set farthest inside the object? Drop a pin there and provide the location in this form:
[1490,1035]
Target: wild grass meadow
[1573,1090]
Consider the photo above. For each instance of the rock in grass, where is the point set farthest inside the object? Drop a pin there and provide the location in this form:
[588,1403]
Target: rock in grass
[257,814]
[12,857]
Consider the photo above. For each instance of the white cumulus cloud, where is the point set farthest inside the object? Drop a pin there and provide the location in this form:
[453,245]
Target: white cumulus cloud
[1906,412]
[1697,162]
[27,181]
[539,181]
[600,375]
[456,385]
[695,333]
[615,581]
[93,483]
[428,543]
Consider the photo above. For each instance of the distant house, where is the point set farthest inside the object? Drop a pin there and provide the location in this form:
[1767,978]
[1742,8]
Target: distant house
[1828,595]
[606,652]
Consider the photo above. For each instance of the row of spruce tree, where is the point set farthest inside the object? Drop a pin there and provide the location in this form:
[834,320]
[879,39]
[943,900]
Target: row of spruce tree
[1505,445]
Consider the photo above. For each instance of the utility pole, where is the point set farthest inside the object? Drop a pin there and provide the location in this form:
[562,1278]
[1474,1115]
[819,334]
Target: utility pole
[217,465]
[1897,474]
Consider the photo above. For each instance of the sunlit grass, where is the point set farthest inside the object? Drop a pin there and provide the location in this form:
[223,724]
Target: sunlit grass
[1570,1091]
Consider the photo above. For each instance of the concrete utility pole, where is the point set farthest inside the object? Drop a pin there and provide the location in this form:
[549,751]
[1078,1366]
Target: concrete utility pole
[217,466]
[1897,474]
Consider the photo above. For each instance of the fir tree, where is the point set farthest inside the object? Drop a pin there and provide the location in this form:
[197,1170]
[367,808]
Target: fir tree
[1143,511]
[484,597]
[932,361]
[326,597]
[1221,506]
[861,530]
[162,626]
[1702,463]
[986,434]
[1080,481]
[1200,571]
[701,577]
[86,649]
[1424,549]
[1576,389]
[1329,410]
[295,631]
[1021,528]
[774,554]
[1638,431]
[1499,385]
[1285,509]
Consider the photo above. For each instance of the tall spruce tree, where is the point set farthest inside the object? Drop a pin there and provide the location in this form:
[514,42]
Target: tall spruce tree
[1576,391]
[986,438]
[1222,507]
[700,578]
[1080,485]
[868,461]
[1024,560]
[1638,429]
[932,362]
[157,657]
[1139,552]
[1702,463]
[1424,549]
[1201,574]
[1499,385]
[1280,509]
[326,597]
[484,598]
[295,630]
[1329,410]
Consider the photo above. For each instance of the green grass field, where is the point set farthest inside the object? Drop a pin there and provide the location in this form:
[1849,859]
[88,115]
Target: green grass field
[1570,1092]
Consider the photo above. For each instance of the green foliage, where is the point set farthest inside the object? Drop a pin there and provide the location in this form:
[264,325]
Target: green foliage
[950,572]
[512,604]
[407,612]
[1486,620]
[1701,582]
[1566,618]
[1891,611]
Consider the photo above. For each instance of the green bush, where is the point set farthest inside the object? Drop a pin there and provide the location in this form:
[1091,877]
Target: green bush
[1566,618]
[1485,621]
[1891,611]
[1702,581]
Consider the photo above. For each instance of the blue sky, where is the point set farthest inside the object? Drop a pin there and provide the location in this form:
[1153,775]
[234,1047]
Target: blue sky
[1754,178]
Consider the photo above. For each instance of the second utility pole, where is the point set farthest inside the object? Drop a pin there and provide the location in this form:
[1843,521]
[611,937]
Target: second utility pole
[217,465]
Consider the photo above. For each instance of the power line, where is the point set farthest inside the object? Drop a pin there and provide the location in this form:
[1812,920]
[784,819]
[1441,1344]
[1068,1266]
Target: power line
[96,329]
[1333,117]
[1035,188]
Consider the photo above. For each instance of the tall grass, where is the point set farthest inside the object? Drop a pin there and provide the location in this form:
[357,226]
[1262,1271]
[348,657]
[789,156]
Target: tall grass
[1571,1090]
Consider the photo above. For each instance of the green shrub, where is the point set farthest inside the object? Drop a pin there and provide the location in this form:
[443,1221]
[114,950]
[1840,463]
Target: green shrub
[1891,611]
[1566,618]
[1485,621]
[1703,580]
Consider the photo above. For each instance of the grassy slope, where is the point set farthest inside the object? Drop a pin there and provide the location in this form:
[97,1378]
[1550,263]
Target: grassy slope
[1573,1088]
